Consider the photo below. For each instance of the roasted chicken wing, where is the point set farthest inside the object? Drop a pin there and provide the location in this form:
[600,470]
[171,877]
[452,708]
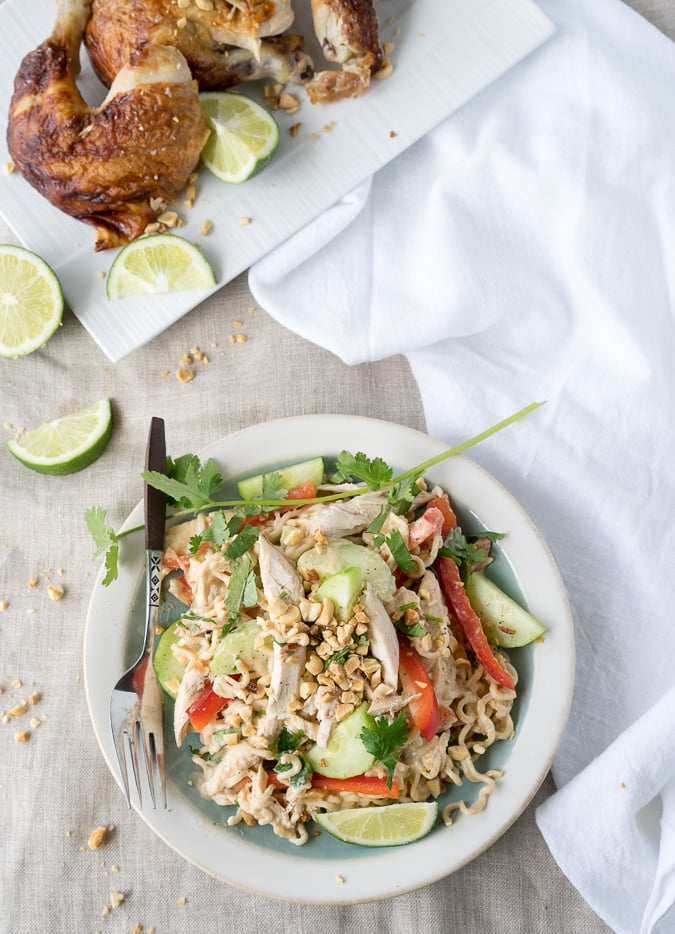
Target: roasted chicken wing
[115,166]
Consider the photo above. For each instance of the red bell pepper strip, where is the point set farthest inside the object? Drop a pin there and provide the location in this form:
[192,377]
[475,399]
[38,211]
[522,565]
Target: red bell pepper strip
[454,592]
[306,491]
[442,503]
[357,784]
[415,680]
[205,707]
[429,524]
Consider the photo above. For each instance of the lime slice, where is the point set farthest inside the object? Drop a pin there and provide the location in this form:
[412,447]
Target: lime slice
[158,264]
[31,301]
[388,825]
[244,136]
[66,444]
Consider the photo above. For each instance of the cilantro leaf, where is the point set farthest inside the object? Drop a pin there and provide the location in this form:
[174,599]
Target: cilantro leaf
[288,740]
[402,495]
[416,629]
[400,553]
[375,473]
[467,550]
[188,482]
[384,740]
[241,543]
[339,657]
[220,531]
[237,586]
[300,778]
[250,595]
[105,539]
[375,526]
[273,486]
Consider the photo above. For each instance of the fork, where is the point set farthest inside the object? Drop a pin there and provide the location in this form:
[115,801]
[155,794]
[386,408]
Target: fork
[136,709]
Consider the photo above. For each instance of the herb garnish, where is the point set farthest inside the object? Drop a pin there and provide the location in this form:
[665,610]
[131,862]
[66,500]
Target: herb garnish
[400,553]
[384,741]
[375,473]
[106,540]
[190,487]
[242,587]
[288,740]
[468,550]
[187,482]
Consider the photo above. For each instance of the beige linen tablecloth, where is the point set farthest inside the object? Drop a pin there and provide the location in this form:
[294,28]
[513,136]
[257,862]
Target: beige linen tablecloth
[55,787]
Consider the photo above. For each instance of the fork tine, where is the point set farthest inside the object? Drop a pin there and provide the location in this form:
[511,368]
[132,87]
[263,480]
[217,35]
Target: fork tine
[150,763]
[157,764]
[134,738]
[161,769]
[120,752]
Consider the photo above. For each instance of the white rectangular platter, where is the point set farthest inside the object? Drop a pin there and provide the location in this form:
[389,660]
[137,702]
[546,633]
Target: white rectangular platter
[445,52]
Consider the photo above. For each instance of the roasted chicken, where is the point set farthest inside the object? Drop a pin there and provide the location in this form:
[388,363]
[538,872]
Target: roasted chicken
[229,41]
[115,166]
[348,33]
[224,43]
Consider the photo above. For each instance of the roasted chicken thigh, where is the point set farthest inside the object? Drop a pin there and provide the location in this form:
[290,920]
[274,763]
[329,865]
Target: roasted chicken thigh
[115,166]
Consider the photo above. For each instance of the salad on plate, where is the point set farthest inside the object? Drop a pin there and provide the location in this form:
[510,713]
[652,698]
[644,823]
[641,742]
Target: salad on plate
[338,645]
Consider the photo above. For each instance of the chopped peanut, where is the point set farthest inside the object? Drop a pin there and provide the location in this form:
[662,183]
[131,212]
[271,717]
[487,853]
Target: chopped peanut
[97,838]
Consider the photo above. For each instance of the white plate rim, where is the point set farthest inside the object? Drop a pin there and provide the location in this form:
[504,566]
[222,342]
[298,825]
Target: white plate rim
[279,876]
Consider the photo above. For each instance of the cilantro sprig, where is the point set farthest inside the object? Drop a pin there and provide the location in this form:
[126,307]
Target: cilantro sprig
[106,540]
[468,550]
[384,740]
[375,472]
[191,487]
[187,482]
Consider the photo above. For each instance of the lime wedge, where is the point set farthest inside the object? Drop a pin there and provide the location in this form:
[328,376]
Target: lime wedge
[244,136]
[158,264]
[66,444]
[31,301]
[388,825]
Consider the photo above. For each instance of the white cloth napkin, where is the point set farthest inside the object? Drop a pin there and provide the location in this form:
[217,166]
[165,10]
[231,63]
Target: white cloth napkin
[525,250]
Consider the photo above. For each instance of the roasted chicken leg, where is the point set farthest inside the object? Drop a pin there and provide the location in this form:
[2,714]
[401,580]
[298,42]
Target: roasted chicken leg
[348,33]
[224,43]
[115,166]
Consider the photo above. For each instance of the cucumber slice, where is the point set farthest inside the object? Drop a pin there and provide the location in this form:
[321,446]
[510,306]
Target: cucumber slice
[345,755]
[337,556]
[343,589]
[240,643]
[167,667]
[295,475]
[505,622]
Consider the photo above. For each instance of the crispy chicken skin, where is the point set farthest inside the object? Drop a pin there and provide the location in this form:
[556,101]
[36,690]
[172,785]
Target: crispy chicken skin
[223,46]
[105,165]
[348,33]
